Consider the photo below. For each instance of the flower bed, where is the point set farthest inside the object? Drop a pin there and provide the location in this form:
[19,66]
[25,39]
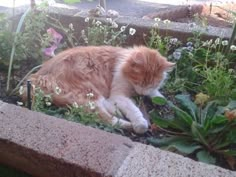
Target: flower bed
[197,118]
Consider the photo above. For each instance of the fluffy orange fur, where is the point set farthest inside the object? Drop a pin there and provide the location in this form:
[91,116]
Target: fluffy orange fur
[112,74]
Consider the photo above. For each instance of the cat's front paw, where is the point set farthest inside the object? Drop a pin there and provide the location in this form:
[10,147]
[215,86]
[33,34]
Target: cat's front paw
[140,127]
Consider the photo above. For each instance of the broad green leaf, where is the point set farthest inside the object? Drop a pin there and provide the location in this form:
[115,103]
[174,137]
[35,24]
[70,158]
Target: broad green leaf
[182,115]
[219,119]
[205,156]
[231,135]
[168,122]
[208,112]
[198,133]
[184,147]
[159,100]
[163,123]
[188,105]
[229,152]
[216,129]
[221,145]
[231,105]
[166,141]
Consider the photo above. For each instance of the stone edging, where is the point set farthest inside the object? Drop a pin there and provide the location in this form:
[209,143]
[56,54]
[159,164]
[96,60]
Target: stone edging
[182,31]
[45,146]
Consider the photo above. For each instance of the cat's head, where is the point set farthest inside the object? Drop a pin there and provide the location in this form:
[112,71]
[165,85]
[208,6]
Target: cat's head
[146,69]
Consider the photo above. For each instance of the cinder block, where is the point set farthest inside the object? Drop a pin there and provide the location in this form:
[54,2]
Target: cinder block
[147,161]
[46,146]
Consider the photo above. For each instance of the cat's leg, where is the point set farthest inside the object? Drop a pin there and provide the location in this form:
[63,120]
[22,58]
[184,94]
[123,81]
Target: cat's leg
[106,116]
[131,112]
[155,93]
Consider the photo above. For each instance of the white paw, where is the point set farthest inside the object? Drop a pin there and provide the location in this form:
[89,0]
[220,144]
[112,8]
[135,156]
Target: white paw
[140,127]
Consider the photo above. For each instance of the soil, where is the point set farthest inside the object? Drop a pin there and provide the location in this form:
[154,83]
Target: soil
[16,77]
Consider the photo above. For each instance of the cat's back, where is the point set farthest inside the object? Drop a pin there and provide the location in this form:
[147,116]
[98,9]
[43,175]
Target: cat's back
[82,58]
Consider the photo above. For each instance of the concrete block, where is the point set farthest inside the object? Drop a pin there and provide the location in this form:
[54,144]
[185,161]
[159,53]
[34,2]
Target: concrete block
[147,161]
[46,146]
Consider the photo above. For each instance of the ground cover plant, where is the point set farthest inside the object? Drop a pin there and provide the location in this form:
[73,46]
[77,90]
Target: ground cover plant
[198,117]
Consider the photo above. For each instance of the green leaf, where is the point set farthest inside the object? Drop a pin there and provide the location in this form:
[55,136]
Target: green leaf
[188,105]
[198,133]
[166,141]
[184,147]
[173,122]
[231,105]
[180,143]
[229,152]
[182,115]
[208,112]
[205,156]
[159,100]
[164,123]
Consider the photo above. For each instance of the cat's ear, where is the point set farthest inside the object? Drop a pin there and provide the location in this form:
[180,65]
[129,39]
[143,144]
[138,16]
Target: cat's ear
[138,59]
[168,66]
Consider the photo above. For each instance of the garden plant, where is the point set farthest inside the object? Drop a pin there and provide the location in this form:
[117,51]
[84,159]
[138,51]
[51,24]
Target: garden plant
[199,112]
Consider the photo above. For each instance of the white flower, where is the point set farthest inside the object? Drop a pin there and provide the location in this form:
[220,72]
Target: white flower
[86,19]
[19,103]
[71,27]
[177,54]
[114,25]
[82,32]
[155,25]
[231,70]
[48,103]
[189,44]
[132,31]
[57,90]
[190,48]
[217,41]
[224,42]
[75,105]
[207,43]
[98,23]
[166,21]
[233,47]
[21,90]
[91,105]
[173,40]
[157,19]
[122,29]
[90,95]
[109,20]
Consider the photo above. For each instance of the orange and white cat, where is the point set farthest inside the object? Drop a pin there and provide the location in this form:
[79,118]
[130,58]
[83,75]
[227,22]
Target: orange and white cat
[112,74]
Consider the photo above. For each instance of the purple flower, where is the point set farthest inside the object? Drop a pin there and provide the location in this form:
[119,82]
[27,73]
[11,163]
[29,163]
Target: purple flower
[56,39]
[50,51]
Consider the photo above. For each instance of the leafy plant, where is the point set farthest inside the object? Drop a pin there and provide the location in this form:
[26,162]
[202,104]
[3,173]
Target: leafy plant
[165,44]
[77,113]
[219,83]
[202,131]
[104,33]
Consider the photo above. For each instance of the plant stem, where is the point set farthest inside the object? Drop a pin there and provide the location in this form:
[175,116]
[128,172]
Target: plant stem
[22,80]
[231,40]
[14,48]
